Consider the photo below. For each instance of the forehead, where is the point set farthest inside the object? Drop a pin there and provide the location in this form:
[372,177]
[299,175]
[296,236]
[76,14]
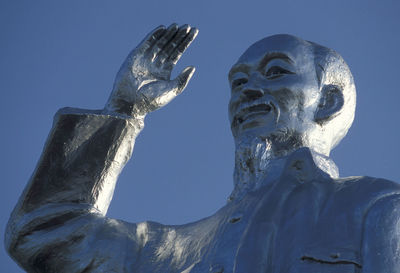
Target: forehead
[283,46]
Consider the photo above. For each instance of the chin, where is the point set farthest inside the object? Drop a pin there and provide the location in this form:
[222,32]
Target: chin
[281,141]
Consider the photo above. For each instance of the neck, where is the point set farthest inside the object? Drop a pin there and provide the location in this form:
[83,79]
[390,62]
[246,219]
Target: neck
[257,164]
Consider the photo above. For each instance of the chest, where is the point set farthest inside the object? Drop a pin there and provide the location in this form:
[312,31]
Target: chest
[294,231]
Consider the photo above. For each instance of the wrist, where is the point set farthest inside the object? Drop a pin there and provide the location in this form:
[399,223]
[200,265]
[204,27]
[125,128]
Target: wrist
[122,106]
[129,110]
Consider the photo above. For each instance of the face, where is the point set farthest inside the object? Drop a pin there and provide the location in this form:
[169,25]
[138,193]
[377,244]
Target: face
[275,90]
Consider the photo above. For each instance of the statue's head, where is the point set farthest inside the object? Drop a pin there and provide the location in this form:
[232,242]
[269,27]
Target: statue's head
[292,92]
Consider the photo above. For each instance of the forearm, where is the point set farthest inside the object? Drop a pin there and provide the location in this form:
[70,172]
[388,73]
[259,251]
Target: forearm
[73,183]
[81,160]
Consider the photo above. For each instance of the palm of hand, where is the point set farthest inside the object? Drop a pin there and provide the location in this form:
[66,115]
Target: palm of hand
[143,82]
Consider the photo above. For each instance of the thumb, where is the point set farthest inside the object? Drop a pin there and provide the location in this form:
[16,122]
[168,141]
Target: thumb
[183,79]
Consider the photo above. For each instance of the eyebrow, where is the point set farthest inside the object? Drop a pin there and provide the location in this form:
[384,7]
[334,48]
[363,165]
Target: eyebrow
[267,58]
[237,68]
[275,55]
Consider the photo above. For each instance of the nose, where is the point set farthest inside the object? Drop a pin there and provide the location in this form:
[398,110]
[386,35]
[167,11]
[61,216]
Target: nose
[253,93]
[251,89]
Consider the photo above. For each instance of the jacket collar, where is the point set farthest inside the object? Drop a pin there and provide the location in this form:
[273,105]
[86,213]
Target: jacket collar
[301,165]
[306,164]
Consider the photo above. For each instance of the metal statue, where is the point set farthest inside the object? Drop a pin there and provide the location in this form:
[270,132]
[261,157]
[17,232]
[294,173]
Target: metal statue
[292,101]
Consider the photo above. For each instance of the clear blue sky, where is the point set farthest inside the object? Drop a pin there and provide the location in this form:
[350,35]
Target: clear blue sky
[66,53]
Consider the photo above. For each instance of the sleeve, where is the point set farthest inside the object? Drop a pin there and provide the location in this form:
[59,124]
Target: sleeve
[381,236]
[59,223]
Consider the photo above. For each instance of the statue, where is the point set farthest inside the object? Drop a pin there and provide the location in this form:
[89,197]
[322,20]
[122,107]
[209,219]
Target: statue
[292,101]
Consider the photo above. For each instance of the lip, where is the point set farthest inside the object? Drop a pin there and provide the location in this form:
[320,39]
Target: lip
[248,111]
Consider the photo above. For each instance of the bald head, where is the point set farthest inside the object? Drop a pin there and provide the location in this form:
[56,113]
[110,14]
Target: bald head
[286,87]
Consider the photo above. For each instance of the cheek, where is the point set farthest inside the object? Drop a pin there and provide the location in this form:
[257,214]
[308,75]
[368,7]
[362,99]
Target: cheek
[231,106]
[310,88]
[301,94]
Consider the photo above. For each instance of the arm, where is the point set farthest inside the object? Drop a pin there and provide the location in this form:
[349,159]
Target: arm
[61,211]
[381,238]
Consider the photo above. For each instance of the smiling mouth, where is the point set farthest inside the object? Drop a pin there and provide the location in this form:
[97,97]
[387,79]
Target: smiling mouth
[247,113]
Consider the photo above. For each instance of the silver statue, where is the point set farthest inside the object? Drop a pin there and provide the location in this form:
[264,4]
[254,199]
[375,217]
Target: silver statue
[292,102]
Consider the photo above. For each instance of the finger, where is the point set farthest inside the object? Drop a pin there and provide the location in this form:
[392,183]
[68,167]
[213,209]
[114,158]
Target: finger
[183,79]
[173,43]
[160,44]
[151,38]
[179,50]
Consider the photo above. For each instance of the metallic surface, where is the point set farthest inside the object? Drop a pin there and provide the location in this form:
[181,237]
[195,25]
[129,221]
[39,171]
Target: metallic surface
[292,102]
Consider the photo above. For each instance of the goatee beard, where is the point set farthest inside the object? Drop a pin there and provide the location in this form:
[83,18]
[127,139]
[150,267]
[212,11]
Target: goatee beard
[251,160]
[259,161]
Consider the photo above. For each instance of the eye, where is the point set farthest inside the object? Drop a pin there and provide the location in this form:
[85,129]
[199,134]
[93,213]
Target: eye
[276,72]
[238,82]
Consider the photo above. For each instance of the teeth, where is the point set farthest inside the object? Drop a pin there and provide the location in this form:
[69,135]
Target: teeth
[252,108]
[248,104]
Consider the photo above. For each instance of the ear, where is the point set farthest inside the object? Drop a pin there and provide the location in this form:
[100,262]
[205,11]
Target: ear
[330,104]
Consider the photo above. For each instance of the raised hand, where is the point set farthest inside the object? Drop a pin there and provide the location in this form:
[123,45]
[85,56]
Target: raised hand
[143,82]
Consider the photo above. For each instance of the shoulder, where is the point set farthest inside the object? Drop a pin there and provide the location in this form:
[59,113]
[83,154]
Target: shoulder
[355,196]
[381,231]
[382,196]
[375,213]
[366,189]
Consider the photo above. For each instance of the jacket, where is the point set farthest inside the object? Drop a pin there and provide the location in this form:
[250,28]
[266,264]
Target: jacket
[304,221]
